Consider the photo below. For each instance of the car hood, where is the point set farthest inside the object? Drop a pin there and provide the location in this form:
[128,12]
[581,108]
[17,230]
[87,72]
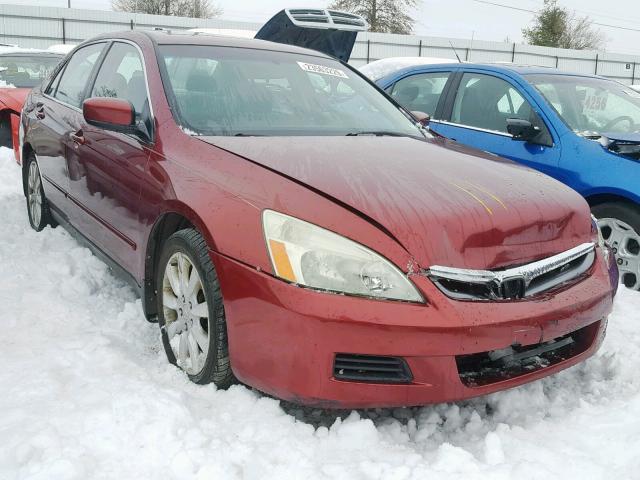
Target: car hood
[14,98]
[446,204]
[327,31]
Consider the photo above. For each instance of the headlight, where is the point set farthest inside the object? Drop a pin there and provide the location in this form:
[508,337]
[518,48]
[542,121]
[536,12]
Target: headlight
[596,233]
[308,255]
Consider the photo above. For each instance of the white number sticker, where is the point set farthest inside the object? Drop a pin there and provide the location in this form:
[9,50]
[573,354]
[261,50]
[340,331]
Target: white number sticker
[334,72]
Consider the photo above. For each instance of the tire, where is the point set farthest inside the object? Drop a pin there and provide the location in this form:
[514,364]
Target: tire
[620,226]
[181,312]
[6,138]
[37,206]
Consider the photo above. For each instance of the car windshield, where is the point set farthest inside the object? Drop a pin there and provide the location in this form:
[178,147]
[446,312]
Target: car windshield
[591,106]
[240,91]
[26,71]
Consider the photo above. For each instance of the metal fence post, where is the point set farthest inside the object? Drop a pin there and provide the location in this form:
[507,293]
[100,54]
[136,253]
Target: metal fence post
[513,53]
[368,50]
[597,58]
[420,49]
[132,24]
[633,74]
[64,33]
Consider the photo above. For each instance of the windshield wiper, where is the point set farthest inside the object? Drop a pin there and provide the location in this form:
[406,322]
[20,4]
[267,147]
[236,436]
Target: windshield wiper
[379,133]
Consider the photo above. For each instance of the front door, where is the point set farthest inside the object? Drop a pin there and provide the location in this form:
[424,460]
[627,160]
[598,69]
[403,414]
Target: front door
[478,118]
[111,164]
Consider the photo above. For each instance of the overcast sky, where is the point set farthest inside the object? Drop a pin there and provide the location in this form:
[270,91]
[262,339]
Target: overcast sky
[448,18]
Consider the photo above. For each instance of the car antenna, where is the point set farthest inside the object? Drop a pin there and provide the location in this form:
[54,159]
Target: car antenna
[454,51]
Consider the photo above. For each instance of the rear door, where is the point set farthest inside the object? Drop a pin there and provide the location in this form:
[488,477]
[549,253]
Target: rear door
[477,116]
[111,165]
[422,91]
[56,114]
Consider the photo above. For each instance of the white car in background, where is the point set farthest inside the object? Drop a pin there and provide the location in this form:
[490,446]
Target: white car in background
[381,68]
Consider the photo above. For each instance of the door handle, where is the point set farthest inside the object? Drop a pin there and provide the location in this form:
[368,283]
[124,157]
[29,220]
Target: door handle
[40,111]
[77,138]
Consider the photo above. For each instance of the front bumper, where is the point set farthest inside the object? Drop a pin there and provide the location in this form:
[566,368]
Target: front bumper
[284,339]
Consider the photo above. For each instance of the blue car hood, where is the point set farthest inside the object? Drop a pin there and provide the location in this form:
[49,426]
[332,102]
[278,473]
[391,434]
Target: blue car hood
[625,144]
[629,138]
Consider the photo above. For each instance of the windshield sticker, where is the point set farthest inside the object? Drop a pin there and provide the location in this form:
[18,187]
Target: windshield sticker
[595,102]
[334,72]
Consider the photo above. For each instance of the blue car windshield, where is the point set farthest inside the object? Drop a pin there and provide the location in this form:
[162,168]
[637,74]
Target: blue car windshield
[246,92]
[591,106]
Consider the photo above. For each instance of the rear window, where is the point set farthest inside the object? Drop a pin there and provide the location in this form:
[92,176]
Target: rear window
[239,91]
[23,71]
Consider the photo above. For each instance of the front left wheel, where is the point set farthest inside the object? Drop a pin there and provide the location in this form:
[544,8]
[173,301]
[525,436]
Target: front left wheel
[620,227]
[191,312]
[37,206]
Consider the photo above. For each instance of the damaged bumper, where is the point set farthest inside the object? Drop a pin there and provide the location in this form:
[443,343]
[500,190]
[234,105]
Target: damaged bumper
[337,351]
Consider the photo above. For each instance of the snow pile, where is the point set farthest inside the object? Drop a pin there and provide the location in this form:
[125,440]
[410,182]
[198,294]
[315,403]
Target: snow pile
[86,393]
[62,48]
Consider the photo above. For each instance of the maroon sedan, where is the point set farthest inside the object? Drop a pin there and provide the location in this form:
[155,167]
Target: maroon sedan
[291,227]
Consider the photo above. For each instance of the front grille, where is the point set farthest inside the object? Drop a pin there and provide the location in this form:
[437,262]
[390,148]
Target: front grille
[342,18]
[329,18]
[485,368]
[370,368]
[516,282]
[309,15]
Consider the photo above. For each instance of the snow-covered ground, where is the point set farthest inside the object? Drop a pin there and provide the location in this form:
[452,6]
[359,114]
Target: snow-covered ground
[86,393]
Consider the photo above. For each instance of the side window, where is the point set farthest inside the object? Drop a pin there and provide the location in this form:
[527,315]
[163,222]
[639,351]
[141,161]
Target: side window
[122,76]
[54,83]
[486,102]
[71,86]
[420,92]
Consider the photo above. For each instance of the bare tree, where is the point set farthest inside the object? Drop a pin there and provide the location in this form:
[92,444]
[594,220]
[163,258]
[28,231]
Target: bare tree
[581,35]
[387,16]
[181,8]
[555,26]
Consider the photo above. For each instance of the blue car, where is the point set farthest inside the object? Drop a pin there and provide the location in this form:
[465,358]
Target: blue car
[583,130]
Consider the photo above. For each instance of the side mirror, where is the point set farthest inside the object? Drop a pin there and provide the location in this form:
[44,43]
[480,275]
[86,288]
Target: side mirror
[522,130]
[422,118]
[115,114]
[109,113]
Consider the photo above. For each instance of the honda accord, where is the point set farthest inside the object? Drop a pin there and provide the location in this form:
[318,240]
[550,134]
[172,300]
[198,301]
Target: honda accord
[289,226]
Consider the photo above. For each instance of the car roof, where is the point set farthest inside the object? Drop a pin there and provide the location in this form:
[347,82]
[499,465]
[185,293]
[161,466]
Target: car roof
[167,37]
[504,67]
[524,69]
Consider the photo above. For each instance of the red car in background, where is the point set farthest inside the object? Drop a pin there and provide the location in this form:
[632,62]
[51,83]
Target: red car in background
[20,71]
[291,227]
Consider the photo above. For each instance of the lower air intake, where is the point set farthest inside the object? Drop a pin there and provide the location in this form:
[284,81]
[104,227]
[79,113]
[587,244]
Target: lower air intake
[479,369]
[370,368]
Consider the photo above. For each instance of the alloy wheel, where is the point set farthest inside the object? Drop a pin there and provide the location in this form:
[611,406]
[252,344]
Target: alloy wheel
[34,193]
[186,313]
[624,241]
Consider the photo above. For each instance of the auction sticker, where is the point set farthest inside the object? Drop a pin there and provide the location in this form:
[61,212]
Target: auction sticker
[334,72]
